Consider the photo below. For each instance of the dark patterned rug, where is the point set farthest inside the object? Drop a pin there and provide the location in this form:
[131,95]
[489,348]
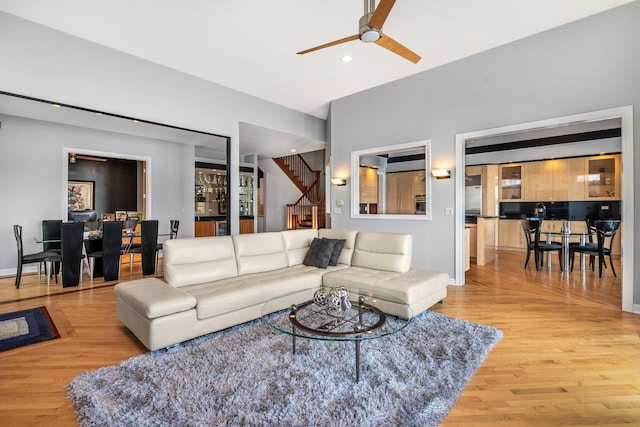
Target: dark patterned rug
[247,376]
[26,327]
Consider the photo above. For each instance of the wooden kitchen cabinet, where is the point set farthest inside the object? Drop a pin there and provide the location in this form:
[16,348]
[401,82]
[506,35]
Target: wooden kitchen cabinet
[603,177]
[511,178]
[246,226]
[510,235]
[205,228]
[402,189]
[368,185]
[554,180]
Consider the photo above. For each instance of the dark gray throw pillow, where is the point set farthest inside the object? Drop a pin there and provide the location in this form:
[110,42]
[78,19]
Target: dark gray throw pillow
[337,250]
[319,253]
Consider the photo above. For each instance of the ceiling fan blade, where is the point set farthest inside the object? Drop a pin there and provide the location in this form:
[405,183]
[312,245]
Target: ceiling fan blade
[333,43]
[395,47]
[381,13]
[95,159]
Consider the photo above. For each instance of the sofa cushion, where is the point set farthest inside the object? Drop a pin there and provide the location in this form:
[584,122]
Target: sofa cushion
[240,292]
[319,253]
[296,243]
[256,253]
[383,251]
[337,250]
[409,287]
[154,298]
[349,245]
[198,260]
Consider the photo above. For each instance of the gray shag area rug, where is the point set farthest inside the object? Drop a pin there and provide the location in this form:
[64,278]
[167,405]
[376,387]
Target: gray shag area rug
[247,375]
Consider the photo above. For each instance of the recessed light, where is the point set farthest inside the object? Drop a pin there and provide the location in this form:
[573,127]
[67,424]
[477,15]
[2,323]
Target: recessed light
[57,105]
[346,58]
[293,150]
[135,121]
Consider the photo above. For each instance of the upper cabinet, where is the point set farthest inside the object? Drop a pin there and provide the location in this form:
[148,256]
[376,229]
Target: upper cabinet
[511,183]
[554,180]
[603,177]
[561,180]
[368,185]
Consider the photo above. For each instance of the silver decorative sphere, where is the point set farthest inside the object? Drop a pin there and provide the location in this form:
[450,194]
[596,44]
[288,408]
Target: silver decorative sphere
[320,297]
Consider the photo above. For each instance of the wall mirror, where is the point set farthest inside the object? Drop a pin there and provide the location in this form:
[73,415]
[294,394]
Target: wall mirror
[392,182]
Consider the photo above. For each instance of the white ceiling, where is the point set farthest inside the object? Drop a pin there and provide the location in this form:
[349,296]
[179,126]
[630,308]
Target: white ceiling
[251,45]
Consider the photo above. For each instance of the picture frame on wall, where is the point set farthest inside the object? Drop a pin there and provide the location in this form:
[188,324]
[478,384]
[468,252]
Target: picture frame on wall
[80,196]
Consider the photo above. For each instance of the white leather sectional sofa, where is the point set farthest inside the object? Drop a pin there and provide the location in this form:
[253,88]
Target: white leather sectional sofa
[212,283]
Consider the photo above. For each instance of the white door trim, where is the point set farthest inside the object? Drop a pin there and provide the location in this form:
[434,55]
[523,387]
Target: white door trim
[625,114]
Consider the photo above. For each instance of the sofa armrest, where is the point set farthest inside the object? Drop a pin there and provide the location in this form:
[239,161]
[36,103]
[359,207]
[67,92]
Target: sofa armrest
[154,298]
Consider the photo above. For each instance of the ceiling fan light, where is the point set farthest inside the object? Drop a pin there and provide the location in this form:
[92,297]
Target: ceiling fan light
[370,35]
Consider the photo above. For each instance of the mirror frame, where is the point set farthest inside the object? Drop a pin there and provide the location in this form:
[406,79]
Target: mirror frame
[355,179]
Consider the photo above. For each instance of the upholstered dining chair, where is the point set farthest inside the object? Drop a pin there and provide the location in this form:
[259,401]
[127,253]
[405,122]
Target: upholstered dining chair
[532,228]
[148,247]
[38,257]
[71,239]
[606,231]
[110,252]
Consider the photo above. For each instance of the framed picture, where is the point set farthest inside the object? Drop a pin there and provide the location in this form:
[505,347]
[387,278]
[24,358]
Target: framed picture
[121,215]
[80,195]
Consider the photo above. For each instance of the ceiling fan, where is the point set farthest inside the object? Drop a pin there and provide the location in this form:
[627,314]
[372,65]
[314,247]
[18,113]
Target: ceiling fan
[371,31]
[73,157]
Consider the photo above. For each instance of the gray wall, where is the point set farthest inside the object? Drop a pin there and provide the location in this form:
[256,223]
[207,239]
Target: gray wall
[32,170]
[589,65]
[44,63]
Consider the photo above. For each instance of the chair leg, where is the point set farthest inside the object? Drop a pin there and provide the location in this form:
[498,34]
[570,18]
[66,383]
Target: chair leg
[92,263]
[47,270]
[526,261]
[561,259]
[600,262]
[130,263]
[18,275]
[612,268]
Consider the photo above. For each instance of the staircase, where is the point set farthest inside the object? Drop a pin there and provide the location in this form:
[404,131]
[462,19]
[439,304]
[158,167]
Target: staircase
[309,210]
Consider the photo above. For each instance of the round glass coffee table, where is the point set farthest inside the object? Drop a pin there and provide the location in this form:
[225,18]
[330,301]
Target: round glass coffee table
[335,314]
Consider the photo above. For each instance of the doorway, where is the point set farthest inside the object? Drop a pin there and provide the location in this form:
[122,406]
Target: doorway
[140,185]
[625,115]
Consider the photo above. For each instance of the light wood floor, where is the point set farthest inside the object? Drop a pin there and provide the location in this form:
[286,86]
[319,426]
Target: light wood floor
[569,355]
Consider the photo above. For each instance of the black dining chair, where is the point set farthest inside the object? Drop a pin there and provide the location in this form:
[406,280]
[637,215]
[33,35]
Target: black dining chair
[71,238]
[51,229]
[129,227]
[38,257]
[606,231]
[148,247]
[110,252]
[174,224]
[532,228]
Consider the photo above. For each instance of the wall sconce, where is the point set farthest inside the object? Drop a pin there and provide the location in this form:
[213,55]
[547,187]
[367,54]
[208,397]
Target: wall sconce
[441,173]
[339,181]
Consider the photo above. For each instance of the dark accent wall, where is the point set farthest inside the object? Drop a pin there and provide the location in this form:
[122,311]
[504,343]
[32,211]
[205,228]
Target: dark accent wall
[116,183]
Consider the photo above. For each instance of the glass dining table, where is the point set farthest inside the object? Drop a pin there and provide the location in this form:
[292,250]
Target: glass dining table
[566,237]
